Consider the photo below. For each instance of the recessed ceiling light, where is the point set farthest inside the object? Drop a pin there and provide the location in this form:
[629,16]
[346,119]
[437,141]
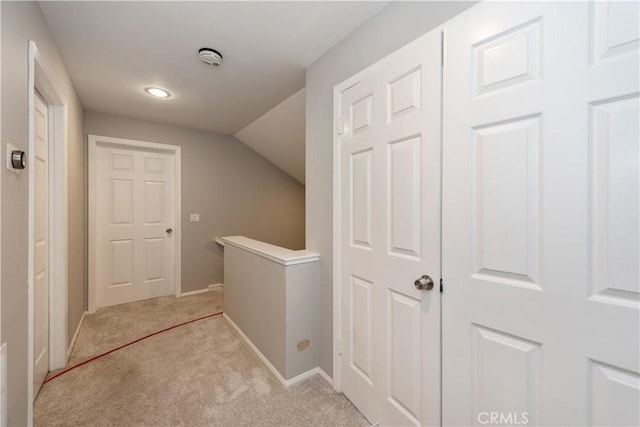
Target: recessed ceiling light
[157,92]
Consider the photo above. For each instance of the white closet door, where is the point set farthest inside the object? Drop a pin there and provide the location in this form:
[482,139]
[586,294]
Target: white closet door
[390,220]
[541,215]
[135,217]
[40,244]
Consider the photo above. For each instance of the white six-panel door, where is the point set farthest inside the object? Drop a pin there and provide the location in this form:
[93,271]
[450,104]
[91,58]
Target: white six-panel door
[135,210]
[541,215]
[40,244]
[390,236]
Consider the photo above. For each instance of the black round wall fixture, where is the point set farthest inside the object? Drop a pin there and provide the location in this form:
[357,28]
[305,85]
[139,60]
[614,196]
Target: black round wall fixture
[18,159]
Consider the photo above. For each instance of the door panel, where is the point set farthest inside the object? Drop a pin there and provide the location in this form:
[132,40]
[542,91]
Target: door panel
[153,193]
[616,199]
[404,219]
[505,192]
[505,374]
[390,191]
[122,201]
[362,198]
[135,200]
[122,263]
[541,200]
[404,364]
[155,255]
[508,58]
[361,327]
[40,245]
[620,389]
[614,29]
[405,94]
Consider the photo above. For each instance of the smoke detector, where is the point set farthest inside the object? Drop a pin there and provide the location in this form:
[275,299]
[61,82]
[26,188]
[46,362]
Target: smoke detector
[210,56]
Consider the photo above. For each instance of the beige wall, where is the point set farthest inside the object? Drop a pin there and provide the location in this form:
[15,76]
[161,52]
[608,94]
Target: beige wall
[396,25]
[77,269]
[21,22]
[235,191]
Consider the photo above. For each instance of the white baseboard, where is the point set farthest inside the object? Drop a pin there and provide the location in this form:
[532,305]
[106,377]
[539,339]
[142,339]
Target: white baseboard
[303,376]
[285,382]
[201,291]
[196,292]
[324,375]
[75,337]
[4,416]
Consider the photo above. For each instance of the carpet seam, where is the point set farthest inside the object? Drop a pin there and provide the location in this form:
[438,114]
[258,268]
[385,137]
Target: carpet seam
[113,350]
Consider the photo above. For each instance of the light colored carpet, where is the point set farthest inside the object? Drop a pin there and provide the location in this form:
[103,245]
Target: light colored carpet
[112,326]
[199,374]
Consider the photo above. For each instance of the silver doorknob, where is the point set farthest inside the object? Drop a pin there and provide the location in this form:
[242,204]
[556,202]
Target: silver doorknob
[169,230]
[424,283]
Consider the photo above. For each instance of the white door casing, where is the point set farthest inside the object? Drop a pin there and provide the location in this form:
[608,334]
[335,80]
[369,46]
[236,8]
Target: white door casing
[135,202]
[39,80]
[40,245]
[541,214]
[3,348]
[389,232]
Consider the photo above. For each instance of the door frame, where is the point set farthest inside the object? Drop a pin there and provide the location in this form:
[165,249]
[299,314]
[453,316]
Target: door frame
[175,151]
[3,358]
[39,78]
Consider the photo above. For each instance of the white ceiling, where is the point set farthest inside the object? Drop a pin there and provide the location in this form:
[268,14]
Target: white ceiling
[279,135]
[113,50]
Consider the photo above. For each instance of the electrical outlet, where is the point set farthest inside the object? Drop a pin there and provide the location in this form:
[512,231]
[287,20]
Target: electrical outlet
[302,345]
[194,218]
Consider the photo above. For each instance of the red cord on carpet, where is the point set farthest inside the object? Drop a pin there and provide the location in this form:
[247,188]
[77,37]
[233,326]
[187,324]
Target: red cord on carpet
[91,359]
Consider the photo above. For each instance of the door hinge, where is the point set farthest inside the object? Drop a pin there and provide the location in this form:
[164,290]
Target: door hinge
[441,285]
[339,346]
[340,127]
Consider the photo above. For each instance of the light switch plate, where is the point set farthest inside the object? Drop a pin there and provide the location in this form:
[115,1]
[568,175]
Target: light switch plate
[194,218]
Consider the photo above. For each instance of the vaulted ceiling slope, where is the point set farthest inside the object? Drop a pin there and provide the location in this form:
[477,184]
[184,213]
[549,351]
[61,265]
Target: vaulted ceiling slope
[279,135]
[113,50]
